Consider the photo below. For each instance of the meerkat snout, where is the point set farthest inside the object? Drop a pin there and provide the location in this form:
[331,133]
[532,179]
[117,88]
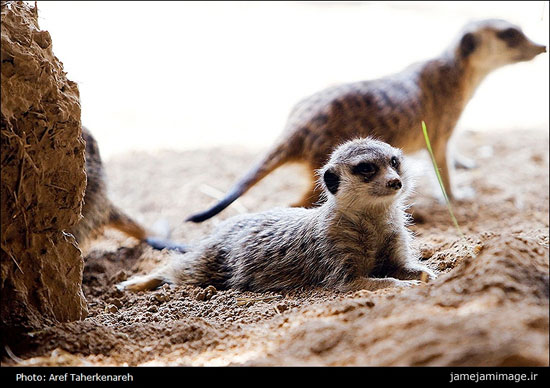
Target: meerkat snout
[394,184]
[388,185]
[490,44]
[538,49]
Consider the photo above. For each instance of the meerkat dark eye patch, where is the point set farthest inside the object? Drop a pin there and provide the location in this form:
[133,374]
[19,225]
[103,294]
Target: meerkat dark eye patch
[511,36]
[468,44]
[394,162]
[332,181]
[367,170]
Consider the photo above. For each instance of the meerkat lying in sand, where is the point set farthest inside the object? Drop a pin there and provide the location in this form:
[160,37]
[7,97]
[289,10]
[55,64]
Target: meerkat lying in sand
[391,108]
[357,239]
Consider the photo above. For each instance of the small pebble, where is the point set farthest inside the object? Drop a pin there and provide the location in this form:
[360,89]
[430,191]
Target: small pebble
[117,302]
[281,307]
[120,276]
[161,297]
[111,308]
[210,291]
[200,295]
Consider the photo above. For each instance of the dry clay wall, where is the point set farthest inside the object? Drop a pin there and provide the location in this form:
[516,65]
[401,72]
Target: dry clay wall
[43,178]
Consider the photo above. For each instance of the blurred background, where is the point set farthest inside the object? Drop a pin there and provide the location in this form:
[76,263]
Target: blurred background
[193,75]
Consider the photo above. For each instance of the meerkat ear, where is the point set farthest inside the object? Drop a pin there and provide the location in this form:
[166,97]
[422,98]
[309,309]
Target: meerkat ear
[332,181]
[468,44]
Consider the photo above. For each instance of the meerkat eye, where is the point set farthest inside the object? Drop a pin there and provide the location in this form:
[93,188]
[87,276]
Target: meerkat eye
[394,162]
[511,36]
[366,169]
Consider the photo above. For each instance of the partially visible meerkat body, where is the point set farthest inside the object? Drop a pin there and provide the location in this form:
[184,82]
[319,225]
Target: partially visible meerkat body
[356,240]
[391,109]
[99,212]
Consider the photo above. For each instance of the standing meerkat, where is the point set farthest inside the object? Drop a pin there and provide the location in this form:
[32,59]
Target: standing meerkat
[99,212]
[356,240]
[391,108]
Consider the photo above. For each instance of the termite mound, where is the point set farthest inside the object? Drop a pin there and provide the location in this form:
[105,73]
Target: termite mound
[43,178]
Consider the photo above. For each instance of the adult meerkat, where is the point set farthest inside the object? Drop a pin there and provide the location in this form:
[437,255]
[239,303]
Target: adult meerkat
[391,108]
[99,212]
[356,240]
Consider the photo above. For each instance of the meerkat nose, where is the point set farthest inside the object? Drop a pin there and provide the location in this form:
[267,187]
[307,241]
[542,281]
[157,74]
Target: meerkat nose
[541,48]
[394,184]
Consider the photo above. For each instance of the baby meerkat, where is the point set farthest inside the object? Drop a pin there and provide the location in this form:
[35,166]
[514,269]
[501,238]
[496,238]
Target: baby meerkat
[99,212]
[356,240]
[391,108]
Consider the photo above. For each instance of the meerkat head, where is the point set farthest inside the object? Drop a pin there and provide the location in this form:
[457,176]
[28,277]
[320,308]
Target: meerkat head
[489,44]
[365,172]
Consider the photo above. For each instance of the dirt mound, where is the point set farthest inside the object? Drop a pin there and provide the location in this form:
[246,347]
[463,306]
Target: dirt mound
[43,178]
[468,316]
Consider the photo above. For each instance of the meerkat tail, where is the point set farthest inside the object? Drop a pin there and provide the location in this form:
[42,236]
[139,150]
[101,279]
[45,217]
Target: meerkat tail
[159,244]
[274,159]
[239,189]
[122,222]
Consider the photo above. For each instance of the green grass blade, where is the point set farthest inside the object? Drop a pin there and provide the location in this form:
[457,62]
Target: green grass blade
[428,144]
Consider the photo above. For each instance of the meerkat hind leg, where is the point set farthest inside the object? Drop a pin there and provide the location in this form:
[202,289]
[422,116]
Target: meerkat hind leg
[373,284]
[463,162]
[312,196]
[142,283]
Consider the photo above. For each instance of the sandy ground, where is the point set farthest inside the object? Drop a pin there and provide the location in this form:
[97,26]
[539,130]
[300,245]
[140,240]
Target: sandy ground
[489,305]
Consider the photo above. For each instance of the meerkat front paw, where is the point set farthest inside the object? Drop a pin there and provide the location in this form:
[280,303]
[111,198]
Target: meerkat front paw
[373,284]
[463,162]
[427,275]
[464,194]
[417,273]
